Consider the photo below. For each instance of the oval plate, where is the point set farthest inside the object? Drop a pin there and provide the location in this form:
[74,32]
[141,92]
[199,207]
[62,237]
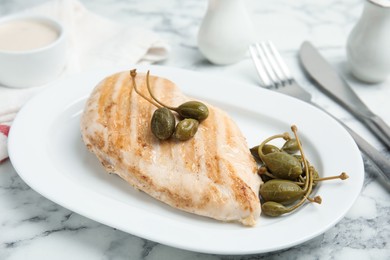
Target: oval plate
[46,149]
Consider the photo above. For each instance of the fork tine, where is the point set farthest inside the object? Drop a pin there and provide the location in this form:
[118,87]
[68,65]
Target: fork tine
[271,60]
[273,64]
[267,82]
[279,78]
[273,71]
[282,65]
[262,52]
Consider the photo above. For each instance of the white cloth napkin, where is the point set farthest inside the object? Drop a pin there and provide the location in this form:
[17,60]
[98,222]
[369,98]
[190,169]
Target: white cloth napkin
[93,41]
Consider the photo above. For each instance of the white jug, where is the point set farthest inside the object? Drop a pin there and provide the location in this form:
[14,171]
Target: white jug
[226,31]
[368,46]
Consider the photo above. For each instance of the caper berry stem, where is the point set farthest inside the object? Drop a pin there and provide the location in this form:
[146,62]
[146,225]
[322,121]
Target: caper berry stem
[153,96]
[342,176]
[316,199]
[309,174]
[305,197]
[133,74]
[263,170]
[308,180]
[285,136]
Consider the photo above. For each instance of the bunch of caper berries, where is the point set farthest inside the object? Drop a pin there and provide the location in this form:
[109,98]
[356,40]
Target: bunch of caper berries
[163,123]
[288,177]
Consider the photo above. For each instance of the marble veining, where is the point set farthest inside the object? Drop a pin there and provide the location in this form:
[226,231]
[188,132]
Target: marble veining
[33,227]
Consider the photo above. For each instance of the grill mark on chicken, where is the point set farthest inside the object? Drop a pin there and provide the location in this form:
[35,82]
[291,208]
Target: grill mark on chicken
[142,120]
[113,145]
[120,117]
[105,103]
[211,155]
[242,192]
[228,132]
[190,156]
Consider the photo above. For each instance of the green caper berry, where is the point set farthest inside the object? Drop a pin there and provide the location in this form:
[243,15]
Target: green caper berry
[282,191]
[315,176]
[254,153]
[273,209]
[269,148]
[186,129]
[299,157]
[291,146]
[163,123]
[283,165]
[193,109]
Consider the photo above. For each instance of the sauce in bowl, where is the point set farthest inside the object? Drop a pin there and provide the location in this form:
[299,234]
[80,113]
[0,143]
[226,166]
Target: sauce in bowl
[32,50]
[25,35]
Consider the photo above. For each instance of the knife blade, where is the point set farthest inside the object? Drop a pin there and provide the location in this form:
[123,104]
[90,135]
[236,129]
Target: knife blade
[333,85]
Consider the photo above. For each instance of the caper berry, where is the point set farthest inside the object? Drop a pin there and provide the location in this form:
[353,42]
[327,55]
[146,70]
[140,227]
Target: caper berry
[163,123]
[265,177]
[291,146]
[269,148]
[282,165]
[299,157]
[193,109]
[255,154]
[186,129]
[315,175]
[273,209]
[282,191]
[288,178]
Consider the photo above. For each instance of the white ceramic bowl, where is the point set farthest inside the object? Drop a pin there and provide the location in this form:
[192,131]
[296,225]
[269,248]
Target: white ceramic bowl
[36,66]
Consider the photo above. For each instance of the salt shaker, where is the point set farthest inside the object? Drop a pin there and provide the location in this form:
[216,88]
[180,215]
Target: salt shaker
[368,45]
[225,32]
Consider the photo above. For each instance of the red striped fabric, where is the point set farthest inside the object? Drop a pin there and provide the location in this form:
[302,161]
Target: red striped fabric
[4,130]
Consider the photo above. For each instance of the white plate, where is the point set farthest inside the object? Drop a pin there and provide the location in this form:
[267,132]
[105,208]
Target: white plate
[46,150]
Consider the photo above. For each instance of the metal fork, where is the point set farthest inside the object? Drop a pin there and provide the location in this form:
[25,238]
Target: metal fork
[275,75]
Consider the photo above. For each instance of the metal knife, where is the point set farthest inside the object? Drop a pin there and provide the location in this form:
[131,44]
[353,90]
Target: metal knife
[333,85]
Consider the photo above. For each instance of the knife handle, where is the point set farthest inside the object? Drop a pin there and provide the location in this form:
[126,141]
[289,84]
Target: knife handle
[373,154]
[379,128]
[382,126]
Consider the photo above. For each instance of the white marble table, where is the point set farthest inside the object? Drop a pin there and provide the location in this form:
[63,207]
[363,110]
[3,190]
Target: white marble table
[33,227]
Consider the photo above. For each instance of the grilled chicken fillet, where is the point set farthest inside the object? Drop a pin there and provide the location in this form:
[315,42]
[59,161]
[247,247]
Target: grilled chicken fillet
[213,174]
